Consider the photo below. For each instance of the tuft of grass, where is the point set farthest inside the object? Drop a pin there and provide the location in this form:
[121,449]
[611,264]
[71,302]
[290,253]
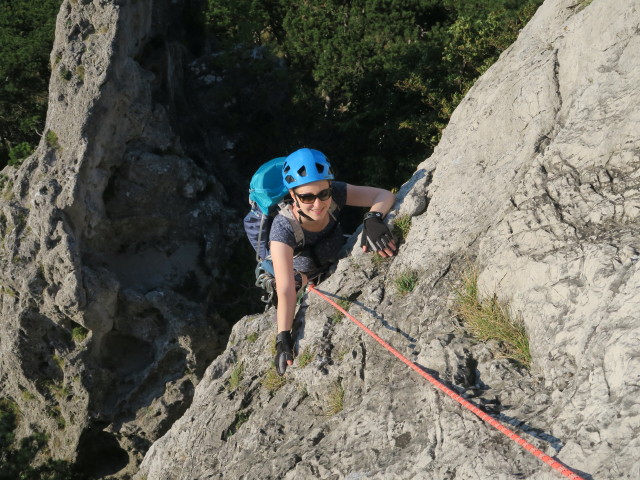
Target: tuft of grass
[27,396]
[79,333]
[56,414]
[335,399]
[379,260]
[59,361]
[236,377]
[490,319]
[241,417]
[51,138]
[584,4]
[401,226]
[80,72]
[338,315]
[65,73]
[272,381]
[406,282]
[305,357]
[252,337]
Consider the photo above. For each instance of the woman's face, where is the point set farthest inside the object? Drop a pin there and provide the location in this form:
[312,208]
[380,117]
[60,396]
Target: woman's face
[318,209]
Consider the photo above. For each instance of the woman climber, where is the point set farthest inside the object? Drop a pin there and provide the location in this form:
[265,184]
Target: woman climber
[317,199]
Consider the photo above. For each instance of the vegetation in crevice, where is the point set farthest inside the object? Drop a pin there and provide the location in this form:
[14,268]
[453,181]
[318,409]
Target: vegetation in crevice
[334,402]
[489,319]
[406,281]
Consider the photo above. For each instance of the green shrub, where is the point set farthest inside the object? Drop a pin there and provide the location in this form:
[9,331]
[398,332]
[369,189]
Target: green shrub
[18,153]
[406,282]
[490,319]
[8,421]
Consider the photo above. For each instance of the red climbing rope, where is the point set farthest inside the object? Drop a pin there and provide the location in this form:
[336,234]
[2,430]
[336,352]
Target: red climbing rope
[487,418]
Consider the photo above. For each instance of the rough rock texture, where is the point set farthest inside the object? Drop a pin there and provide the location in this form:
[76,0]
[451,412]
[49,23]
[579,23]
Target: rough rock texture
[537,182]
[110,233]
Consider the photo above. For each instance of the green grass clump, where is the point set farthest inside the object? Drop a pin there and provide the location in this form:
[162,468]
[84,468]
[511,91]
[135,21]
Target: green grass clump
[401,227]
[236,377]
[406,281]
[335,400]
[79,333]
[379,260]
[242,416]
[80,71]
[272,381]
[252,337]
[305,357]
[27,395]
[65,74]
[490,319]
[338,315]
[51,138]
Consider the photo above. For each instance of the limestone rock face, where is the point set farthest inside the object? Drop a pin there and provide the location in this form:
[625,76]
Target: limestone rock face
[110,231]
[537,182]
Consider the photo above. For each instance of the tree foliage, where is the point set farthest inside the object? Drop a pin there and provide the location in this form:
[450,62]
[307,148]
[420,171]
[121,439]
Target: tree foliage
[26,37]
[372,83]
[24,461]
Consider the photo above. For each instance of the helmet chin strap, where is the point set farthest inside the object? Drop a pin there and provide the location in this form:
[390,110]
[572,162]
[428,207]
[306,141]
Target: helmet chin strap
[300,212]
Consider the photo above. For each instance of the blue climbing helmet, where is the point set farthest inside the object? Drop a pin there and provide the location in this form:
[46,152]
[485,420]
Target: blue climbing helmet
[305,166]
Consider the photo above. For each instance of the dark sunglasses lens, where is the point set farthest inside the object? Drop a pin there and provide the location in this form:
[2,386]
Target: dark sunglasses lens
[311,197]
[307,198]
[325,194]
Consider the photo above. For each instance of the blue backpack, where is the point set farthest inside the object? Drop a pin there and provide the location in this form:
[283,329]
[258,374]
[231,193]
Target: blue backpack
[267,195]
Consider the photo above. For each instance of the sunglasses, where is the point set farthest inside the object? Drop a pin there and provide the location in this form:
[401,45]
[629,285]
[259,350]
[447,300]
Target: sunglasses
[309,198]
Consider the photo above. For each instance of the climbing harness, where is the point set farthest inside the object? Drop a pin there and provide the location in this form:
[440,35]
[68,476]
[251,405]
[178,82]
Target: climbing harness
[484,416]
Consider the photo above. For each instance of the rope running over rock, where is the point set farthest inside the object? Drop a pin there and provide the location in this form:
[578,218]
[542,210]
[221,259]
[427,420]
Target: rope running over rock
[484,416]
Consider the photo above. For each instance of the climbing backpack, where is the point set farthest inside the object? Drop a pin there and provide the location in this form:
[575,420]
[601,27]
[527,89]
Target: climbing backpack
[268,196]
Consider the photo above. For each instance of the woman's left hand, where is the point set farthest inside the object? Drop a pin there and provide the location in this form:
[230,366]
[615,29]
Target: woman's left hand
[376,235]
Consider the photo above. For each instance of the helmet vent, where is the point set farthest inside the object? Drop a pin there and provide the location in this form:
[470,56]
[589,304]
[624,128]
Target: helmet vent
[302,172]
[320,167]
[289,179]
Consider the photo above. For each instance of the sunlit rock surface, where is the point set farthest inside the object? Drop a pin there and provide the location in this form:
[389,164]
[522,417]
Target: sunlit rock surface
[537,182]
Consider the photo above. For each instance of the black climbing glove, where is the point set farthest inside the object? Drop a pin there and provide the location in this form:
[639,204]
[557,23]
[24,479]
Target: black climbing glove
[284,351]
[375,234]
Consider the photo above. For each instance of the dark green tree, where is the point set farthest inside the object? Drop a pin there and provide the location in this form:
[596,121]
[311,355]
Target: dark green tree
[371,83]
[26,38]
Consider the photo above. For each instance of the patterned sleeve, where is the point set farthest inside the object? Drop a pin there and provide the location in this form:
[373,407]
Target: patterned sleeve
[281,231]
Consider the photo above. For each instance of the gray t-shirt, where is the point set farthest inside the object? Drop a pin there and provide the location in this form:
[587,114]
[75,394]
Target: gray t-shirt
[324,245]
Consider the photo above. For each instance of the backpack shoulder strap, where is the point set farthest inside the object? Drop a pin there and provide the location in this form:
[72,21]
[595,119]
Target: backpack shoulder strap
[333,208]
[286,212]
